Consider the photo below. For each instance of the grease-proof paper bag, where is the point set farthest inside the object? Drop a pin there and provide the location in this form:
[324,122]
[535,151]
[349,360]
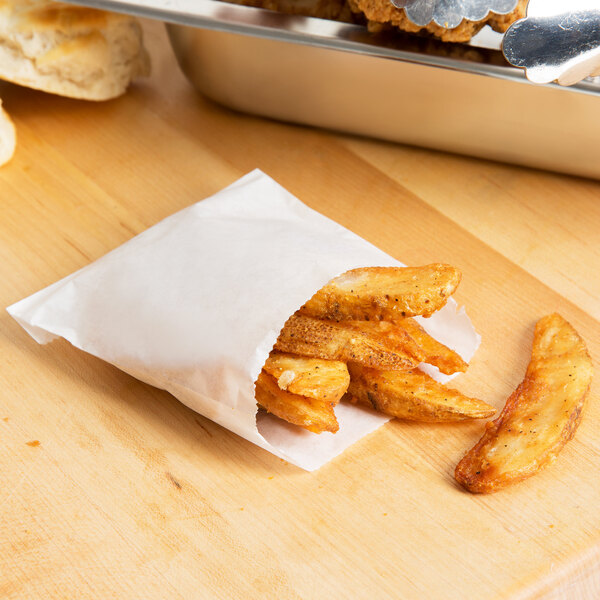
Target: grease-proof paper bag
[194,305]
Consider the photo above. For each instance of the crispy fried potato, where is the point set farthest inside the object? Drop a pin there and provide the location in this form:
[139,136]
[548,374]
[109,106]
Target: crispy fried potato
[315,415]
[384,293]
[394,337]
[539,418]
[412,395]
[316,378]
[433,352]
[370,344]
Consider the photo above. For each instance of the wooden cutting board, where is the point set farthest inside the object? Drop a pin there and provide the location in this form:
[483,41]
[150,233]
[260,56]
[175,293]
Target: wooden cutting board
[113,489]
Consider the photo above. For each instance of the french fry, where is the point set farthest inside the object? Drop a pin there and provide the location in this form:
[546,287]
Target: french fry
[315,378]
[539,418]
[384,293]
[433,352]
[412,395]
[370,344]
[315,415]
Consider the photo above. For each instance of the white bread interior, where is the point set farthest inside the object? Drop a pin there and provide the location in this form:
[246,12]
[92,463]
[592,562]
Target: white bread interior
[70,50]
[8,137]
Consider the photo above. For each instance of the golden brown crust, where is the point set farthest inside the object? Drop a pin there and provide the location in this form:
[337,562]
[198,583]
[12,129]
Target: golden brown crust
[38,15]
[308,370]
[384,293]
[316,378]
[501,23]
[315,415]
[539,418]
[432,351]
[412,395]
[344,341]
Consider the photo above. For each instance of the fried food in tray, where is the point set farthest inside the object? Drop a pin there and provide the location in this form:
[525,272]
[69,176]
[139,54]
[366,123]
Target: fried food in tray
[539,418]
[349,352]
[336,10]
[412,395]
[382,14]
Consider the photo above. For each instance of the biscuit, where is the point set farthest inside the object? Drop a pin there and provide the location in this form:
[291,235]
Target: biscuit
[70,50]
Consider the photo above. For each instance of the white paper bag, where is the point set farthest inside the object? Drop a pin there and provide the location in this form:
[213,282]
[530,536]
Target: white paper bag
[194,305]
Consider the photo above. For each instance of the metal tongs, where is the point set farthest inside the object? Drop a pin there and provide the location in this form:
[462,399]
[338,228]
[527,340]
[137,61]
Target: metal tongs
[557,41]
[450,13]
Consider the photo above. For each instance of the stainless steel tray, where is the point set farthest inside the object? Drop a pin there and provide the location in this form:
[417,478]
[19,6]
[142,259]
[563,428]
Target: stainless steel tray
[402,88]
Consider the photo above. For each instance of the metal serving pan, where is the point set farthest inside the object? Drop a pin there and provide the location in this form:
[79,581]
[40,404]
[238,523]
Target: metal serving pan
[401,88]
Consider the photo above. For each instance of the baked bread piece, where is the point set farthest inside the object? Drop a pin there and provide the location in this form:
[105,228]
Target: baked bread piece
[382,14]
[69,50]
[8,137]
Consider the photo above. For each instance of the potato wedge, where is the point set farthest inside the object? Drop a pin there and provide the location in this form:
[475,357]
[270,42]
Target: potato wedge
[539,418]
[316,378]
[315,415]
[391,334]
[432,351]
[370,344]
[384,293]
[412,395]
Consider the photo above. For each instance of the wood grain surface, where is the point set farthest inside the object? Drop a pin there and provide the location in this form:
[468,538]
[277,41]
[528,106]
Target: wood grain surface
[113,489]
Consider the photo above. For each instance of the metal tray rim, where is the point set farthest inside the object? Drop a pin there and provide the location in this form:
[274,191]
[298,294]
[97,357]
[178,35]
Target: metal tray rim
[221,16]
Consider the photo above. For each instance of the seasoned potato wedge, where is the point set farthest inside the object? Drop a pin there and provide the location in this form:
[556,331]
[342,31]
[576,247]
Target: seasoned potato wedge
[432,351]
[390,334]
[384,293]
[369,343]
[315,415]
[310,377]
[539,418]
[412,395]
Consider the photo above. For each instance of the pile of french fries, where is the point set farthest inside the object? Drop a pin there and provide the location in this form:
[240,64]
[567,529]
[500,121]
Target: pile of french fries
[355,340]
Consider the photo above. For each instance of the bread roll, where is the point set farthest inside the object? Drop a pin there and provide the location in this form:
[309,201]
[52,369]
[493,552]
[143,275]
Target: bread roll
[8,137]
[69,50]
